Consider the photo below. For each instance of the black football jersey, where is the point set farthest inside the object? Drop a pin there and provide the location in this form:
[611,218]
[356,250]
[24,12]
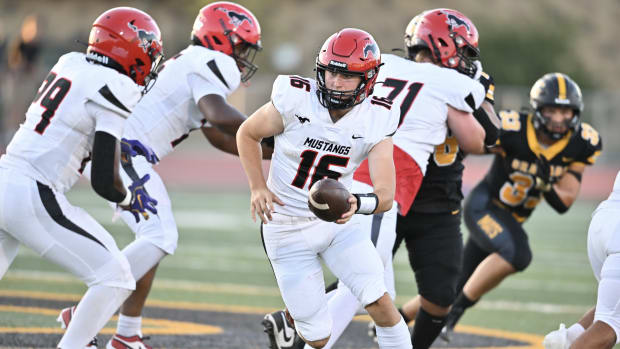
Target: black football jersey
[512,174]
[441,187]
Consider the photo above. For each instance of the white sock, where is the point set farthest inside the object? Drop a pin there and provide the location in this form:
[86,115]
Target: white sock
[396,337]
[92,313]
[142,256]
[129,326]
[342,306]
[574,332]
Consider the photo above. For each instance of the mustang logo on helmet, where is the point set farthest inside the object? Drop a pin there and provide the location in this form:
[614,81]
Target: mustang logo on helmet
[236,18]
[455,21]
[146,37]
[371,47]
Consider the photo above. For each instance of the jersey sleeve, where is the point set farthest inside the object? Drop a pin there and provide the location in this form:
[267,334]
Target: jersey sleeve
[285,97]
[119,95]
[593,144]
[462,92]
[105,119]
[213,75]
[511,123]
[489,87]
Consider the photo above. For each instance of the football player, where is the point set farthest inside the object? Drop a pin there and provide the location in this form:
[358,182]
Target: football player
[78,114]
[324,128]
[431,95]
[190,94]
[599,328]
[539,154]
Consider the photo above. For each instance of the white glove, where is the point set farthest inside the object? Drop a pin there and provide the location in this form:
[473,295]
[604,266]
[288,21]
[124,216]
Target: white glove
[478,72]
[557,339]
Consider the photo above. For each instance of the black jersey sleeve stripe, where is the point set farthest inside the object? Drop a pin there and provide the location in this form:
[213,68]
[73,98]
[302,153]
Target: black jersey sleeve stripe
[109,96]
[53,209]
[470,101]
[213,66]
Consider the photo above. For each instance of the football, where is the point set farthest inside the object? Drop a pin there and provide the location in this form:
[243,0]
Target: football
[328,199]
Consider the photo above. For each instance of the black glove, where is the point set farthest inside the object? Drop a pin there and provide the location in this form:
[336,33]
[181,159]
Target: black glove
[543,174]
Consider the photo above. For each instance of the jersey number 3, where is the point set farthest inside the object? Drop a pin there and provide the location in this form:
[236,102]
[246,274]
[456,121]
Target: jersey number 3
[55,91]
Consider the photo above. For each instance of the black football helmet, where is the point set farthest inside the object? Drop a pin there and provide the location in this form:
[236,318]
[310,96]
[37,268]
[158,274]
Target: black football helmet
[558,90]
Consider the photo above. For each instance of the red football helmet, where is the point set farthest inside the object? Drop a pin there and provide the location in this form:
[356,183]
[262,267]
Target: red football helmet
[128,40]
[231,29]
[349,51]
[450,36]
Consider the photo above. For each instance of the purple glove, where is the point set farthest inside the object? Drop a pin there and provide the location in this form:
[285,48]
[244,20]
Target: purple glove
[140,199]
[133,147]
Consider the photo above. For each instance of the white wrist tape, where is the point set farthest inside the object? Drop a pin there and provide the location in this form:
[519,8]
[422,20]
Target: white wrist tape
[366,203]
[126,201]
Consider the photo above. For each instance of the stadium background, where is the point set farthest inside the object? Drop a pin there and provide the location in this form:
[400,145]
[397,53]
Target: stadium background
[220,268]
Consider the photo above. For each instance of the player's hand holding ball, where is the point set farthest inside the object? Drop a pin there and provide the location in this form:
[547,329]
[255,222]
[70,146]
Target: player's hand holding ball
[330,201]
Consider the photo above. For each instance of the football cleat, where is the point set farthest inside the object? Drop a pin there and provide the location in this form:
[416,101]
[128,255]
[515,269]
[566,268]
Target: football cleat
[65,317]
[446,334]
[122,342]
[281,333]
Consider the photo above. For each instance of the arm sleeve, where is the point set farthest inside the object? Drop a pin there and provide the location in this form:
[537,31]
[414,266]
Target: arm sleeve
[102,172]
[106,120]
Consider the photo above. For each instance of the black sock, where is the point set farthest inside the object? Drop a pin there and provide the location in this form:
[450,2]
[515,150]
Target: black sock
[458,309]
[426,329]
[405,317]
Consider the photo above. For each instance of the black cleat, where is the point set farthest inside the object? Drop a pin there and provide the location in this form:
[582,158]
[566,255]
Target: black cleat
[281,334]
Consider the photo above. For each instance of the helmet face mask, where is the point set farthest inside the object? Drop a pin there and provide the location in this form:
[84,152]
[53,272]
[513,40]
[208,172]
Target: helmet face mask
[231,29]
[352,52]
[556,90]
[451,38]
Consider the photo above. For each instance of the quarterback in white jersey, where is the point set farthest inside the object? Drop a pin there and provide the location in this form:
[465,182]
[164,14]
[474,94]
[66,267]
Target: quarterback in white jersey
[432,98]
[78,113]
[600,327]
[324,128]
[190,94]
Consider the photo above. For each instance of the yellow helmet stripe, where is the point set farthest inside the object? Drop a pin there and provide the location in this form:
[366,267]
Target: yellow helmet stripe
[561,86]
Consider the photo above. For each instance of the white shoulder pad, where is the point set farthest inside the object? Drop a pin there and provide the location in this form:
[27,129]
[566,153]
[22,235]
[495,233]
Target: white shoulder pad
[119,94]
[461,92]
[217,68]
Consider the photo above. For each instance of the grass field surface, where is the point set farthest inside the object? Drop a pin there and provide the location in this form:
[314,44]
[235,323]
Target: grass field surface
[220,262]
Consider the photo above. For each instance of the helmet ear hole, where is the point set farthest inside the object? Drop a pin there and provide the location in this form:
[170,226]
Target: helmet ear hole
[216,40]
[442,42]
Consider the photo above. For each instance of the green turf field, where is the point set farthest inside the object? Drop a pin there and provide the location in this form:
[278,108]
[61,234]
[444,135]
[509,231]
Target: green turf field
[220,260]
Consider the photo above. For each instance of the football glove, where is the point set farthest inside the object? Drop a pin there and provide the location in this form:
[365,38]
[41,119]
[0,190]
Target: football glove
[543,174]
[132,147]
[140,200]
[557,339]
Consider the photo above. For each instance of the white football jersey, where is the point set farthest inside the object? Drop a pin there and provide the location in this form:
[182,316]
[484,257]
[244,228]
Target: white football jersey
[166,115]
[312,147]
[422,92]
[56,139]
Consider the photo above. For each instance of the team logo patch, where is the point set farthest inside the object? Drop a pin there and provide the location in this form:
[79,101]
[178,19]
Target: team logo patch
[146,37]
[236,18]
[454,21]
[371,47]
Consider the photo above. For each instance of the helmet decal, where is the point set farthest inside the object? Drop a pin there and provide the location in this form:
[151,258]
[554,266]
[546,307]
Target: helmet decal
[371,47]
[236,18]
[454,21]
[145,37]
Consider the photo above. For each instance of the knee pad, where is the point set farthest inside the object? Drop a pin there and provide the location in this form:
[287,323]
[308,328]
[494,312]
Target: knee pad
[115,273]
[316,327]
